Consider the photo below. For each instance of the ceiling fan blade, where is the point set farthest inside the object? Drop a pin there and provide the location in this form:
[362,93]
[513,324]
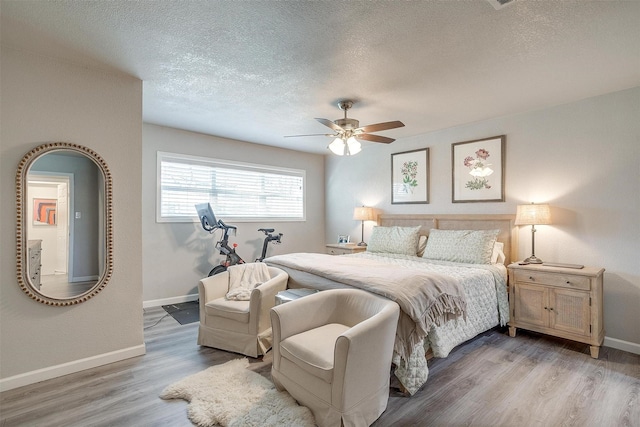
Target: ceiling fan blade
[313,134]
[374,138]
[382,126]
[330,124]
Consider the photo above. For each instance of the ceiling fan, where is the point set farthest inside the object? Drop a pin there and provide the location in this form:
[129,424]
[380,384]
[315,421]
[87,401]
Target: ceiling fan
[348,134]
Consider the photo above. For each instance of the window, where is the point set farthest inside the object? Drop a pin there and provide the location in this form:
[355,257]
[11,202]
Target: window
[237,191]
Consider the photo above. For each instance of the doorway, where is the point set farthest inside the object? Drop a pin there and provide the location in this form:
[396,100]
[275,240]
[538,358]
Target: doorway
[54,190]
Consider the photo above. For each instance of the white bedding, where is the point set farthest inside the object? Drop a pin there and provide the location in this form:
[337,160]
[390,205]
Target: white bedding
[426,298]
[487,306]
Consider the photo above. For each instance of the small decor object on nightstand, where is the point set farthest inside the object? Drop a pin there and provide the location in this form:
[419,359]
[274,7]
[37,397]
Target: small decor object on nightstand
[343,239]
[533,215]
[559,301]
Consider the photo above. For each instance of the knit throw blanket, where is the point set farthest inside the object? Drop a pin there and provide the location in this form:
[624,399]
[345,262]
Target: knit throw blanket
[425,298]
[243,278]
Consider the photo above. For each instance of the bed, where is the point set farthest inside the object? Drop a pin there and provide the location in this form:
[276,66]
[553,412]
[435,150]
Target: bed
[463,257]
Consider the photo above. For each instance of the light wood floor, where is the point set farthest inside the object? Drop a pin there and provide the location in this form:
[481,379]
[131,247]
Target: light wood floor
[493,380]
[58,286]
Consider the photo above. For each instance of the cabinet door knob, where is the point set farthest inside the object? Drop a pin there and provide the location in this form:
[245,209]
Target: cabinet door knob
[531,278]
[568,282]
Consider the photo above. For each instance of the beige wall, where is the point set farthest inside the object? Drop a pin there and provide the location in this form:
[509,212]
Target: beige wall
[45,100]
[582,158]
[177,255]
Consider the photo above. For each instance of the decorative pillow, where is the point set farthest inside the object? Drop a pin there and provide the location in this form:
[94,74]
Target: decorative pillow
[466,246]
[394,240]
[497,257]
[422,243]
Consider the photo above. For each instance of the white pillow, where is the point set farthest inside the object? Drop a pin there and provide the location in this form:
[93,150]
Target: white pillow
[498,257]
[465,246]
[394,240]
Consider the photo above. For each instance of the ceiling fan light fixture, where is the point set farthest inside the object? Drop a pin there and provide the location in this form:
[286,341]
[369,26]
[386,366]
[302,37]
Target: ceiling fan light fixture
[345,148]
[353,146]
[337,147]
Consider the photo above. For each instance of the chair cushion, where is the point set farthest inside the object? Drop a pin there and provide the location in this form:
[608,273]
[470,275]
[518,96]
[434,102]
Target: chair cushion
[234,310]
[312,350]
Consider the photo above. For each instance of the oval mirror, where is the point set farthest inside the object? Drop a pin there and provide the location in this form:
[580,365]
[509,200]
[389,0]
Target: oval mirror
[64,230]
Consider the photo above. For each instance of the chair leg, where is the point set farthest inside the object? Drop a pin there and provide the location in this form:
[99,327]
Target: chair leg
[279,386]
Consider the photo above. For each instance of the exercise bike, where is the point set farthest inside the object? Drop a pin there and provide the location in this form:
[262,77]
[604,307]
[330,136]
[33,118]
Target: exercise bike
[210,224]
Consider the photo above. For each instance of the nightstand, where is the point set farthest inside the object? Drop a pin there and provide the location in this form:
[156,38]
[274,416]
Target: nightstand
[558,301]
[349,248]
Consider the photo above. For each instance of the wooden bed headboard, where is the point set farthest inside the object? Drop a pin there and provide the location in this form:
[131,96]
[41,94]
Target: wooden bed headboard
[502,222]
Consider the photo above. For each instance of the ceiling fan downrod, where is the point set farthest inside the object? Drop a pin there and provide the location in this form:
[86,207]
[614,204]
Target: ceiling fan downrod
[346,123]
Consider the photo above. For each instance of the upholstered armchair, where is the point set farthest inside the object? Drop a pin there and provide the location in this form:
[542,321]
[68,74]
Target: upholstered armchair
[238,326]
[332,352]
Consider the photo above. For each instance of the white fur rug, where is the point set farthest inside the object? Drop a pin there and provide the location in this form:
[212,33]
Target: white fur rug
[231,395]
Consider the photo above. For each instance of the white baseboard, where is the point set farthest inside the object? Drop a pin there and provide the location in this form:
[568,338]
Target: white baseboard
[631,347]
[70,367]
[166,301]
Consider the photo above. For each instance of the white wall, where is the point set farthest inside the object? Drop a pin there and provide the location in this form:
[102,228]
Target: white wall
[46,100]
[581,158]
[177,255]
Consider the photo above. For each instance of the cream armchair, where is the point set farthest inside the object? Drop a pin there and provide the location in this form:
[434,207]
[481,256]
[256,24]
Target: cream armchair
[332,352]
[238,326]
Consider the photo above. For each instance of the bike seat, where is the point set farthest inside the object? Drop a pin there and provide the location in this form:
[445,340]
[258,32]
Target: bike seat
[267,230]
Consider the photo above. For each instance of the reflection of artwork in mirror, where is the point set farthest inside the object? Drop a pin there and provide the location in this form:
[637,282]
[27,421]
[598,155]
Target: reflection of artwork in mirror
[44,211]
[65,189]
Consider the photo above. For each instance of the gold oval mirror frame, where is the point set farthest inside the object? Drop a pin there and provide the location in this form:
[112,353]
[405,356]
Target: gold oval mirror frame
[22,217]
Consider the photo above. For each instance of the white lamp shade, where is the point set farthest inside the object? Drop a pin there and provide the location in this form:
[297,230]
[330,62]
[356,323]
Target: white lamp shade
[533,214]
[354,146]
[363,213]
[337,146]
[341,148]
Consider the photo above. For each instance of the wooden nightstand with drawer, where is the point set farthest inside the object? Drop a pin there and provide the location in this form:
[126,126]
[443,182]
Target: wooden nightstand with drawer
[562,302]
[342,249]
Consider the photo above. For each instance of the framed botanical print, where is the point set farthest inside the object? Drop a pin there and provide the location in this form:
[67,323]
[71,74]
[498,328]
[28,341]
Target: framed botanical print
[478,170]
[410,177]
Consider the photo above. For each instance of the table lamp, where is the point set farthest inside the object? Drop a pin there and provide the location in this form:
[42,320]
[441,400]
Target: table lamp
[533,215]
[363,214]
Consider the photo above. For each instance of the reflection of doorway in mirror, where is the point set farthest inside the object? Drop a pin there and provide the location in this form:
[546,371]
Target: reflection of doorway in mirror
[55,238]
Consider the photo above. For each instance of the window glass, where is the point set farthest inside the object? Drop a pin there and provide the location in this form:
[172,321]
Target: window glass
[237,191]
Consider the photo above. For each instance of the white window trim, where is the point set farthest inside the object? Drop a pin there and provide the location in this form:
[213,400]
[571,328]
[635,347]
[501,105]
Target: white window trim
[165,155]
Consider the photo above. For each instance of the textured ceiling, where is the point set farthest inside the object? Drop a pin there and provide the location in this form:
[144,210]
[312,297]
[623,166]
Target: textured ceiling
[259,70]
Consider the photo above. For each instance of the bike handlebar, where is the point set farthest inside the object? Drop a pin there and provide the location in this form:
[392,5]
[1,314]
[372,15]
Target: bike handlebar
[267,231]
[225,226]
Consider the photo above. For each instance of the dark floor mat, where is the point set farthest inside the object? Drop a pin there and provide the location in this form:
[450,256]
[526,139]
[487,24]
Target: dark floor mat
[185,312]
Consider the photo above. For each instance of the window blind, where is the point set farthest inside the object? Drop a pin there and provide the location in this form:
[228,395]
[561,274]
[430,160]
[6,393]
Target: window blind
[237,191]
